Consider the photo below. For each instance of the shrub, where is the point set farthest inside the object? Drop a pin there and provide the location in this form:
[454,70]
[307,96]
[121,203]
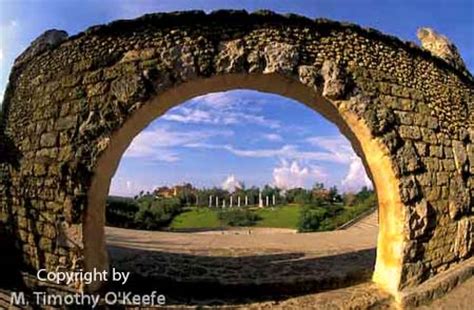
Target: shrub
[144,212]
[120,212]
[311,218]
[238,217]
[157,213]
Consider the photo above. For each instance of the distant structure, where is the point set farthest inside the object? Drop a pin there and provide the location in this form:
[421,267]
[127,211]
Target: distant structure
[168,192]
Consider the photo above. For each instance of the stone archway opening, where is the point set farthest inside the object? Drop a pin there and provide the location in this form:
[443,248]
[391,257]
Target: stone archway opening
[377,164]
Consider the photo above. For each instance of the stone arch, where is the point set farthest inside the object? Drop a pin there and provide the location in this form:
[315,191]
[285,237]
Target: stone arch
[377,162]
[73,104]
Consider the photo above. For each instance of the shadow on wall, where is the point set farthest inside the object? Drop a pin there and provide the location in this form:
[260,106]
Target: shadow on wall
[11,253]
[189,278]
[9,261]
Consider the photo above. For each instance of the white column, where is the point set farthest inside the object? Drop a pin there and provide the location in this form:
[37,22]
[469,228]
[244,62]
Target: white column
[238,201]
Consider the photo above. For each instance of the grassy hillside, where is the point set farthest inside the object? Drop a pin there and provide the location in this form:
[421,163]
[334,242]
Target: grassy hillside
[279,217]
[196,218]
[148,212]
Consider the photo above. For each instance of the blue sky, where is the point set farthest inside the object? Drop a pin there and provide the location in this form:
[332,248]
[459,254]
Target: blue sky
[283,142]
[239,136]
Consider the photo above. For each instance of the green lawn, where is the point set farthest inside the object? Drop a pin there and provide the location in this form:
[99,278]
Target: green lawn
[279,217]
[286,216]
[196,218]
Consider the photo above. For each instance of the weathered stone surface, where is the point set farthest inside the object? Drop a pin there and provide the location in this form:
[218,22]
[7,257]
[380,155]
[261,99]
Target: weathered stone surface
[409,189]
[48,40]
[128,89]
[231,57]
[459,198]
[89,124]
[281,58]
[414,273]
[470,154]
[439,45]
[49,139]
[69,236]
[66,123]
[379,120]
[463,242]
[460,156]
[408,158]
[335,80]
[417,225]
[309,75]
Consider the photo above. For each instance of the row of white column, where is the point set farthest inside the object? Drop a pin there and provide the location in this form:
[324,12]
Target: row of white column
[231,200]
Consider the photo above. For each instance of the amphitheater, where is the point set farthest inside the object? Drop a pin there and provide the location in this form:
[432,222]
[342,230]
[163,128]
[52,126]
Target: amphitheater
[74,104]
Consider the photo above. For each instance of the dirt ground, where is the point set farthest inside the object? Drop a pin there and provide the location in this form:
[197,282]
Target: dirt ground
[361,236]
[260,264]
[333,268]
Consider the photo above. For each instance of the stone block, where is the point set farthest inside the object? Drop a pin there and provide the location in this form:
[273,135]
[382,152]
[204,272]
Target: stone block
[335,80]
[281,57]
[463,243]
[410,132]
[436,151]
[66,123]
[460,156]
[49,139]
[409,189]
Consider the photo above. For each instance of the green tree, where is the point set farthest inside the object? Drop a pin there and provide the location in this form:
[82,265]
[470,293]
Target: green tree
[156,213]
[364,193]
[334,195]
[318,186]
[298,195]
[311,218]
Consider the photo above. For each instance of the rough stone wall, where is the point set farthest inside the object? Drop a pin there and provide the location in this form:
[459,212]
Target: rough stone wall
[64,102]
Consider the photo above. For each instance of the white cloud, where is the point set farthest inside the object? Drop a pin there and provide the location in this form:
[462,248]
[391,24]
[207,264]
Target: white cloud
[341,148]
[272,137]
[293,174]
[125,187]
[286,151]
[188,115]
[222,108]
[220,100]
[356,177]
[159,143]
[231,183]
[338,146]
